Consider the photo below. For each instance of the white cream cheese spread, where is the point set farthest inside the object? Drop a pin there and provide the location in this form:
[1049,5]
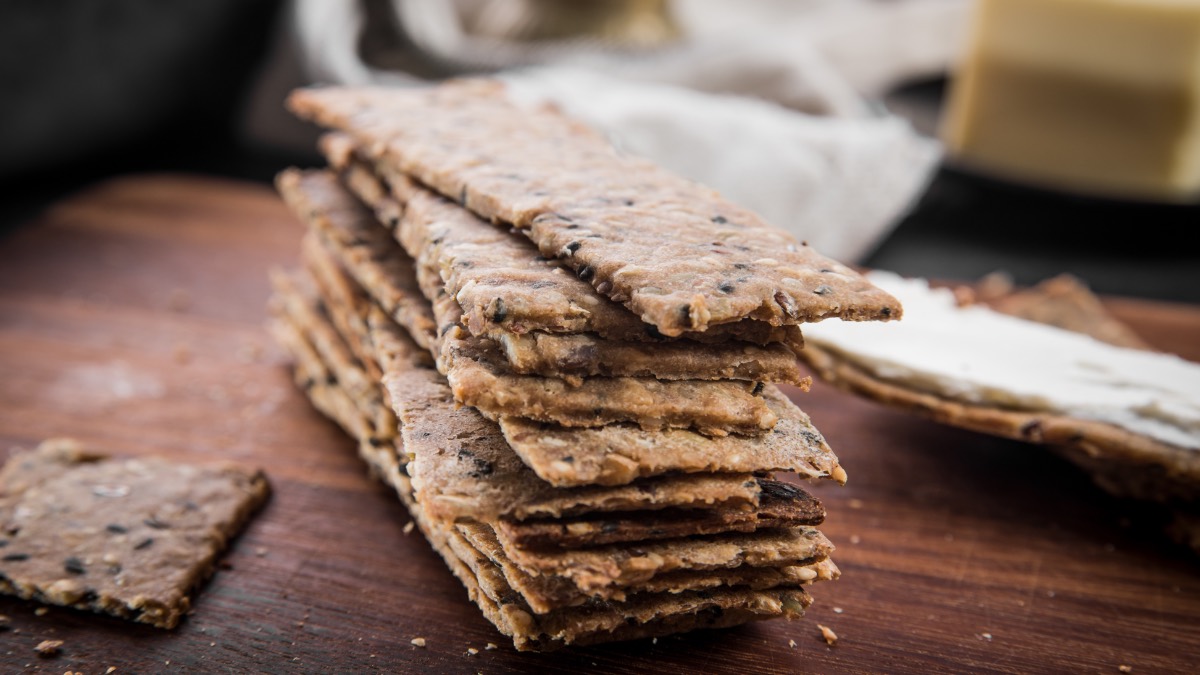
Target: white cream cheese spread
[976,355]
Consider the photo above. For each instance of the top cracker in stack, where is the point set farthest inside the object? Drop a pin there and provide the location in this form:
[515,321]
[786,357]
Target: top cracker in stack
[611,330]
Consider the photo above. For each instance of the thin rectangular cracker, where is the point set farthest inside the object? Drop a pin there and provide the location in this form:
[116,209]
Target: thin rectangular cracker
[366,253]
[477,370]
[622,564]
[661,609]
[134,538]
[619,453]
[676,253]
[463,468]
[500,279]
[545,593]
[780,505]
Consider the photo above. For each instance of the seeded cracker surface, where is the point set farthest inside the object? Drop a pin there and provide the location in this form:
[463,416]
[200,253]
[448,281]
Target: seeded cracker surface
[364,252]
[617,454]
[620,565]
[663,605]
[476,369]
[781,505]
[676,253]
[502,281]
[463,468]
[544,593]
[134,538]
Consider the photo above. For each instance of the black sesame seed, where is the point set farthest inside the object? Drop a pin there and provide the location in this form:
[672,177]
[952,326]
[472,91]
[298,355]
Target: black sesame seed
[823,289]
[628,202]
[74,565]
[572,247]
[145,543]
[462,196]
[758,387]
[886,311]
[569,459]
[586,273]
[15,557]
[116,528]
[156,523]
[653,332]
[725,287]
[500,312]
[741,266]
[720,220]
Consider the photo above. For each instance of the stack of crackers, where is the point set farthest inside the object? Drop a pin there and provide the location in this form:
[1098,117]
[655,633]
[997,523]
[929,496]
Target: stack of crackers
[565,362]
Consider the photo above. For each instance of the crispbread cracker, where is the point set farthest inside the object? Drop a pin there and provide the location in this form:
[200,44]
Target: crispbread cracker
[642,616]
[370,255]
[308,318]
[726,599]
[622,565]
[781,505]
[474,369]
[578,355]
[501,281]
[1175,471]
[1063,301]
[344,300]
[546,593]
[680,256]
[134,538]
[463,468]
[618,454]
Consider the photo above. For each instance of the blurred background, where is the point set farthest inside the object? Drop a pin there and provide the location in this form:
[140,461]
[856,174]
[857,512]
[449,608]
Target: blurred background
[941,138]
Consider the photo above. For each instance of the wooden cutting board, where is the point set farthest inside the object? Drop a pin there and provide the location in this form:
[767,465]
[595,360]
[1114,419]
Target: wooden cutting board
[132,318]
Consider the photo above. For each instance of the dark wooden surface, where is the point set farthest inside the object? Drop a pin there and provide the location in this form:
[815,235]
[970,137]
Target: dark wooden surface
[132,318]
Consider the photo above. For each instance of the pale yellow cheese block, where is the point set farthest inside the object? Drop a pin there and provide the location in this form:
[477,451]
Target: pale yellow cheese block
[1095,96]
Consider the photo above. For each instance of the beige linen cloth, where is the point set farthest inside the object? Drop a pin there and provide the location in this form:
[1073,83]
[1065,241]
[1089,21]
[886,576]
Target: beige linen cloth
[772,102]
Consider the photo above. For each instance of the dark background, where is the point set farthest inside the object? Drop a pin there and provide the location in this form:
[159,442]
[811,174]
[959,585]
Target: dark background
[95,89]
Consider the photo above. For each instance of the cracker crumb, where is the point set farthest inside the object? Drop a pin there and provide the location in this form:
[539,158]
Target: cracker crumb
[419,641]
[855,539]
[1125,669]
[792,644]
[855,503]
[260,552]
[831,637]
[490,646]
[471,651]
[408,527]
[837,610]
[654,641]
[40,611]
[48,647]
[985,636]
[111,669]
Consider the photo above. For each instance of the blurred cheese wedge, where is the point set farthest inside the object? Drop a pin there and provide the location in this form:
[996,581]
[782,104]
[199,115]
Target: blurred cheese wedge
[1096,96]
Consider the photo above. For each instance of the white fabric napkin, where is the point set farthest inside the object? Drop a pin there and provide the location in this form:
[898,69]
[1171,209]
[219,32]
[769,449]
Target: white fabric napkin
[771,102]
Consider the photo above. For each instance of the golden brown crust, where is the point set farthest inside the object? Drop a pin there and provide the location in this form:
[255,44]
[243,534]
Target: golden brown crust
[134,538]
[676,253]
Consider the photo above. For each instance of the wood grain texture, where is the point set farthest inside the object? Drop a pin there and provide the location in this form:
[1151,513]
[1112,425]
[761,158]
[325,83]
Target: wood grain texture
[132,318]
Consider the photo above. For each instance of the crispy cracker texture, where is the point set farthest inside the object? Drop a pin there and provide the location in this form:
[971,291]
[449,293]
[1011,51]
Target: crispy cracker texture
[676,253]
[134,538]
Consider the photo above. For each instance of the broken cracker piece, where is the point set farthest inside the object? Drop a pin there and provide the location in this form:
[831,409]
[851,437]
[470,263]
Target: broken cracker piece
[134,538]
